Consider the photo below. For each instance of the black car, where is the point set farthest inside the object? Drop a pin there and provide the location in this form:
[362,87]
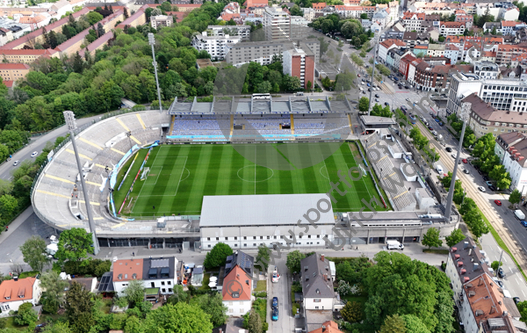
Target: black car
[516,300]
[377,95]
[430,128]
[448,149]
[386,103]
[501,273]
[492,188]
[485,178]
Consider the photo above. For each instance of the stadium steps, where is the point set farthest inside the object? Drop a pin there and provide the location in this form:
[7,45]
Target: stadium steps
[349,121]
[232,125]
[172,124]
[292,125]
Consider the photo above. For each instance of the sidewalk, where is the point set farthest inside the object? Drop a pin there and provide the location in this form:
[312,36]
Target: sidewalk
[16,223]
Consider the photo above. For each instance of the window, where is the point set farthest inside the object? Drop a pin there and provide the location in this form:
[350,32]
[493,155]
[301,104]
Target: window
[208,238]
[162,283]
[170,290]
[169,283]
[217,238]
[235,238]
[209,246]
[163,290]
[317,300]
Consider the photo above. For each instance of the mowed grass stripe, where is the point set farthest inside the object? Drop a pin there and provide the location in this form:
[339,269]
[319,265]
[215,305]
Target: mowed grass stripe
[200,178]
[336,163]
[211,182]
[182,199]
[296,175]
[223,182]
[139,199]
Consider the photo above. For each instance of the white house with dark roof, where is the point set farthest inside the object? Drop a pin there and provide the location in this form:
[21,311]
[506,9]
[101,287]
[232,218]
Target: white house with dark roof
[512,150]
[160,273]
[317,283]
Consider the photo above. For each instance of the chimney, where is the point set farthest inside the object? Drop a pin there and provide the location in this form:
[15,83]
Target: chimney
[323,328]
[322,257]
[465,245]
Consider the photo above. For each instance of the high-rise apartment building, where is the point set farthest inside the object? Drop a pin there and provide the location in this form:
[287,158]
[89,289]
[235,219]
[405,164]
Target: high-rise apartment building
[276,24]
[300,63]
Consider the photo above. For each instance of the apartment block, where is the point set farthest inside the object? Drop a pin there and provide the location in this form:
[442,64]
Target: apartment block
[217,46]
[161,21]
[276,24]
[25,56]
[263,52]
[243,31]
[452,28]
[13,72]
[139,18]
[300,63]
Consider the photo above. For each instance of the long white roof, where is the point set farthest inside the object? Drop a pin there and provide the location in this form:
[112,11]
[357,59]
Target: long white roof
[260,210]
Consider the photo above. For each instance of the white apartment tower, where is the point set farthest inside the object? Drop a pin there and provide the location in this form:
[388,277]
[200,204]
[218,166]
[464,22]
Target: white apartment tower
[276,24]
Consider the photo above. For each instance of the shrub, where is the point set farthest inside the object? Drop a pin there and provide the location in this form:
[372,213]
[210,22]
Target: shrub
[25,315]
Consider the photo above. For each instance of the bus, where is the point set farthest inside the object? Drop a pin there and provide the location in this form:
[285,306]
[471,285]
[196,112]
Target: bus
[262,96]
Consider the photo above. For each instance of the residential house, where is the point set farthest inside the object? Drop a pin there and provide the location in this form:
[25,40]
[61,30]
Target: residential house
[436,50]
[137,19]
[420,50]
[238,284]
[512,150]
[161,273]
[451,28]
[17,291]
[412,69]
[486,70]
[509,27]
[452,52]
[161,21]
[492,27]
[467,20]
[62,7]
[124,271]
[317,283]
[413,38]
[327,327]
[387,45]
[394,57]
[217,46]
[413,21]
[404,64]
[505,53]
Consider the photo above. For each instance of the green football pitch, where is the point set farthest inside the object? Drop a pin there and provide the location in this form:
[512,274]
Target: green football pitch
[180,175]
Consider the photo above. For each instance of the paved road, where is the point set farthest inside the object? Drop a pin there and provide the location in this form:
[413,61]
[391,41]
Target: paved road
[282,290]
[501,218]
[37,144]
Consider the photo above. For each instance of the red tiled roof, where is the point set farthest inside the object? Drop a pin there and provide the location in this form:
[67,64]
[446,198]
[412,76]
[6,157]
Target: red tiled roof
[96,43]
[319,5]
[510,23]
[256,3]
[14,66]
[9,83]
[451,24]
[38,32]
[31,19]
[178,16]
[14,289]
[129,20]
[330,327]
[124,270]
[237,277]
[26,52]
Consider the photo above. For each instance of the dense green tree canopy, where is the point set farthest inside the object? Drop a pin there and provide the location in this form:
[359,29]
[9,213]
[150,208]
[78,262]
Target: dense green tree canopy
[217,256]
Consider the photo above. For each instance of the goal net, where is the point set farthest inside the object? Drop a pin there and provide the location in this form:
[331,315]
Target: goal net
[145,173]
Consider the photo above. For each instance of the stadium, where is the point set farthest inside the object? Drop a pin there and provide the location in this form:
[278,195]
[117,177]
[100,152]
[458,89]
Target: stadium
[245,171]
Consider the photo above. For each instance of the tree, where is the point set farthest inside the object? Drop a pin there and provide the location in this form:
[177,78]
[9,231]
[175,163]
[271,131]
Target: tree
[100,29]
[414,325]
[181,317]
[495,265]
[34,252]
[179,295]
[344,288]
[522,307]
[135,292]
[455,237]
[213,305]
[515,197]
[8,205]
[364,104]
[290,83]
[254,322]
[293,261]
[166,6]
[93,17]
[53,295]
[393,324]
[74,244]
[296,11]
[78,63]
[431,238]
[25,315]
[217,256]
[79,306]
[263,257]
[58,327]
[352,312]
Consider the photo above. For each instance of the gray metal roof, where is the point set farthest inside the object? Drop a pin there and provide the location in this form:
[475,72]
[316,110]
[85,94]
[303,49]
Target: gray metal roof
[316,277]
[270,209]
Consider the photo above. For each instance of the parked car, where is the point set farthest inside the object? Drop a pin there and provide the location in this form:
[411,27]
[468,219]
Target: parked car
[275,302]
[15,163]
[492,188]
[524,223]
[377,95]
[440,123]
[275,314]
[386,103]
[453,155]
[485,178]
[35,153]
[465,160]
[448,149]
[466,171]
[501,273]
[430,128]
[516,300]
[481,188]
[497,202]
[488,183]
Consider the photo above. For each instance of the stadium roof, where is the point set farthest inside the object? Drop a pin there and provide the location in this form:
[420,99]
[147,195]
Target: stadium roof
[270,209]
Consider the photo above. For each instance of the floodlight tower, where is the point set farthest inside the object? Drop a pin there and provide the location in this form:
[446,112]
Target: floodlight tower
[70,122]
[152,42]
[373,68]
[464,114]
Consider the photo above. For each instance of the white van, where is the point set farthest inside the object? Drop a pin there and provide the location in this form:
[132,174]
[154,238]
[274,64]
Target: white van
[439,169]
[394,245]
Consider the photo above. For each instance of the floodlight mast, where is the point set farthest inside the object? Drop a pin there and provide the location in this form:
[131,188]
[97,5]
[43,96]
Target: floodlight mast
[69,116]
[152,42]
[450,197]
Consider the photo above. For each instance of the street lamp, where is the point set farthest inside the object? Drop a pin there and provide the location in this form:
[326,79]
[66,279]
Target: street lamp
[70,122]
[129,134]
[373,69]
[152,42]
